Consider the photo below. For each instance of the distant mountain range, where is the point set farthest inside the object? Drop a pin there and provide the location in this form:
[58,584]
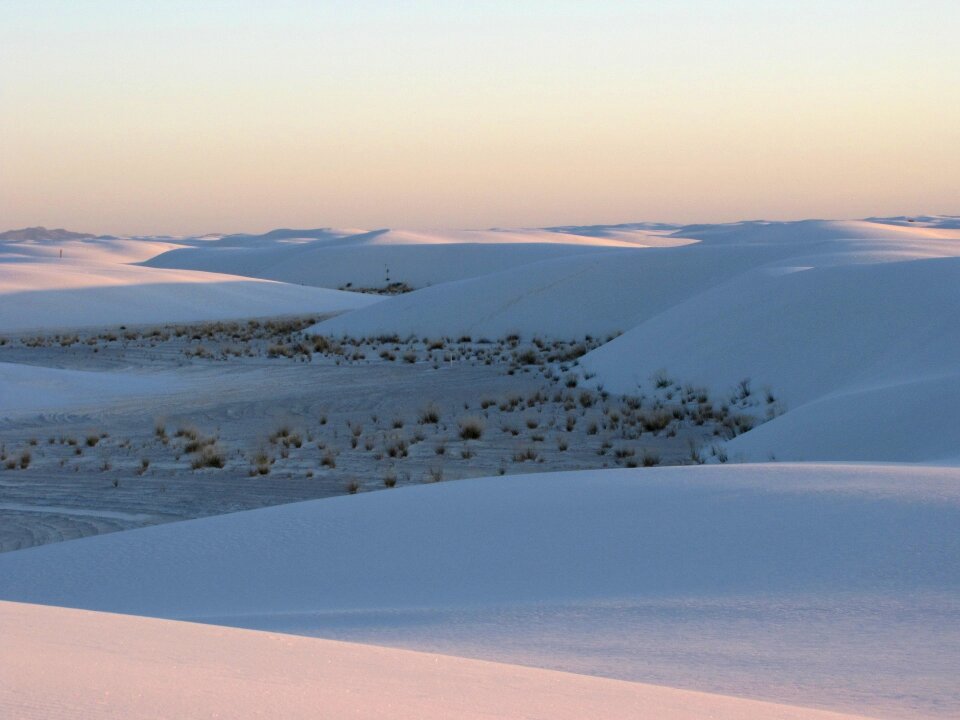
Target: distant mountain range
[42,233]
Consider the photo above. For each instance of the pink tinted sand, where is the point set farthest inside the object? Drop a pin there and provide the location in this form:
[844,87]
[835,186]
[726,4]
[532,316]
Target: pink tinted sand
[63,663]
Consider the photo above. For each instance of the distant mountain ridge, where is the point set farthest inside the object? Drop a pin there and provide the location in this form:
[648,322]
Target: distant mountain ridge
[42,233]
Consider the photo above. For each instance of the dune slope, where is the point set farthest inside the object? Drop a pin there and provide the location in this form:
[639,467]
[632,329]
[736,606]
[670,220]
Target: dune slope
[790,552]
[78,664]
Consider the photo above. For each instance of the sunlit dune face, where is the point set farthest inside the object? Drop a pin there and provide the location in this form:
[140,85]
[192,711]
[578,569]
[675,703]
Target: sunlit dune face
[184,119]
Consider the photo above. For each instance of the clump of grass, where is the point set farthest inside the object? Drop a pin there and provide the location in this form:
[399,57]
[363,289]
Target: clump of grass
[187,432]
[261,464]
[210,457]
[430,415]
[661,379]
[144,465]
[352,486]
[390,479]
[649,458]
[92,440]
[471,428]
[329,459]
[622,453]
[524,455]
[399,448]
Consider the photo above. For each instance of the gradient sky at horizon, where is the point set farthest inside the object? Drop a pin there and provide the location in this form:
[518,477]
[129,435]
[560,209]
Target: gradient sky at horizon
[126,116]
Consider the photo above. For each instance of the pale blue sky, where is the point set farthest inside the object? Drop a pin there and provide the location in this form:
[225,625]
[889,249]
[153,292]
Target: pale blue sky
[124,116]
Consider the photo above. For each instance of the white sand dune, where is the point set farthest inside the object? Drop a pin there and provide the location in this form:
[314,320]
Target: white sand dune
[600,293]
[93,285]
[835,546]
[371,259]
[78,664]
[857,340]
[825,585]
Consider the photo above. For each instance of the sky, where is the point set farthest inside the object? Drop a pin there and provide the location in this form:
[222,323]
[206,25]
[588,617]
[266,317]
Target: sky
[129,116]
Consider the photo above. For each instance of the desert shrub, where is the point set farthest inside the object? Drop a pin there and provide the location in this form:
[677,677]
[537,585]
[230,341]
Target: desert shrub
[661,379]
[210,457]
[261,464]
[524,455]
[527,357]
[92,440]
[695,455]
[471,428]
[430,415]
[655,421]
[398,448]
[743,389]
[622,453]
[649,458]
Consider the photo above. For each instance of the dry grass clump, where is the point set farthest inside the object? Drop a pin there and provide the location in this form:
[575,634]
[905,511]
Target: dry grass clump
[430,415]
[209,457]
[524,455]
[471,428]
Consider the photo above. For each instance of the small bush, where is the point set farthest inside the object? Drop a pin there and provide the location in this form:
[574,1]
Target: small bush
[524,455]
[211,457]
[471,428]
[430,415]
